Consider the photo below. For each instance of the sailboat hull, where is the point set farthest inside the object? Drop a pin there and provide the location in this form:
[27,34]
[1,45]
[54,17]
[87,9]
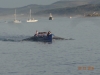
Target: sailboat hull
[32,20]
[50,18]
[17,21]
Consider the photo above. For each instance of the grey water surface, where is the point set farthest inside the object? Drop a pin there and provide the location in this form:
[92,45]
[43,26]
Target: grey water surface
[61,57]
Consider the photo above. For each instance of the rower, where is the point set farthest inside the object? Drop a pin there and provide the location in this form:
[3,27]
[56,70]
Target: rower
[48,33]
[36,33]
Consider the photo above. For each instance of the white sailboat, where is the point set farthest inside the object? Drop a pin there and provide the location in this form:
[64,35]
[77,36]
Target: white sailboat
[31,20]
[15,20]
[50,17]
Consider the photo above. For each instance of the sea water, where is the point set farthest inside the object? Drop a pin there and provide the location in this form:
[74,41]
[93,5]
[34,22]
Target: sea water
[80,56]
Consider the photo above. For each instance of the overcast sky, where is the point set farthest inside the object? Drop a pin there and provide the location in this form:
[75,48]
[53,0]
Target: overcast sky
[20,3]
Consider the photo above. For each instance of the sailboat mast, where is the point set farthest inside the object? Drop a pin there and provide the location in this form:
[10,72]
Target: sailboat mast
[30,13]
[15,14]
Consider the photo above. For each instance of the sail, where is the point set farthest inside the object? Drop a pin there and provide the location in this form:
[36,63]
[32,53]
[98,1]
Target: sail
[50,15]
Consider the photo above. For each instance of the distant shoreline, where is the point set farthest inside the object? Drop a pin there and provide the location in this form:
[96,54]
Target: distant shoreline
[11,17]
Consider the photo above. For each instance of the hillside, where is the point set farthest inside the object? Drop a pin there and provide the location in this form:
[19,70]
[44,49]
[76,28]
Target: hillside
[36,8]
[62,7]
[79,10]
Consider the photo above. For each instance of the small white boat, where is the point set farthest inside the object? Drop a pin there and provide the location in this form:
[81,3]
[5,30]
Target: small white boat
[50,17]
[16,21]
[70,17]
[31,20]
